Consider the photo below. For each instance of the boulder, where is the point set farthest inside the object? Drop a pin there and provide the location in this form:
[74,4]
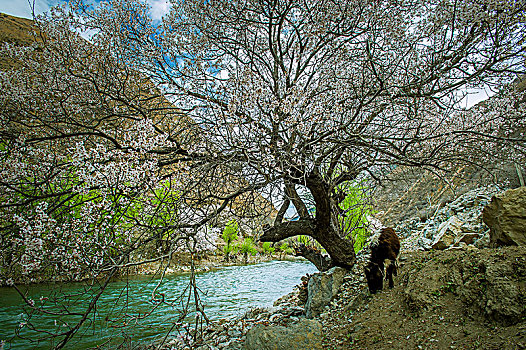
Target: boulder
[447,233]
[505,216]
[306,334]
[321,289]
[468,238]
[489,282]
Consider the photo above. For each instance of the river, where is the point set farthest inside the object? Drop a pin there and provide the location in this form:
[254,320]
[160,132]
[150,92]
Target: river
[226,292]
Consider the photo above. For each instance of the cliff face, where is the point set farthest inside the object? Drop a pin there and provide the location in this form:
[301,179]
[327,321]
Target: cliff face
[17,31]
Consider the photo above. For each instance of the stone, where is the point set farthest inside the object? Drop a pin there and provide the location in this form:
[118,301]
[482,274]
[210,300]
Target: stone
[424,243]
[322,288]
[295,311]
[275,317]
[483,241]
[306,334]
[224,345]
[468,238]
[447,233]
[221,339]
[505,216]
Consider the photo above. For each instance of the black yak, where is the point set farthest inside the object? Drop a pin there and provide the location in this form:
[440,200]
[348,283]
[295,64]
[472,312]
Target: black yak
[383,261]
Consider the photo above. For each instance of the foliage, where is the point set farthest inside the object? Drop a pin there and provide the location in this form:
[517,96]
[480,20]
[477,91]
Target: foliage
[286,249]
[304,240]
[230,249]
[268,248]
[356,211]
[230,234]
[247,247]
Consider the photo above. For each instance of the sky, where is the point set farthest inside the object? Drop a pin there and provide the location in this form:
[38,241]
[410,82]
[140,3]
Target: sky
[22,8]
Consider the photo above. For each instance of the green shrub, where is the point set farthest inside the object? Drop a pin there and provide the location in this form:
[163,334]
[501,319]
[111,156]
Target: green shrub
[230,234]
[284,248]
[268,248]
[353,221]
[247,247]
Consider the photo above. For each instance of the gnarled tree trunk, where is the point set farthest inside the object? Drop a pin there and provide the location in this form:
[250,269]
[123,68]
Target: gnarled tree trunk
[322,227]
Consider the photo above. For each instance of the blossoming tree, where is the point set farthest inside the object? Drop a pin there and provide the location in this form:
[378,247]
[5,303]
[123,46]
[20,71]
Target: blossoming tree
[149,130]
[307,97]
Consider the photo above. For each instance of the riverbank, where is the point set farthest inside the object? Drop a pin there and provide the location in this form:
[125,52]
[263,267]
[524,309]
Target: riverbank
[182,263]
[454,299]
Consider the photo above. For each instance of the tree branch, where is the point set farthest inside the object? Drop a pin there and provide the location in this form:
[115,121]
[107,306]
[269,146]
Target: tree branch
[289,229]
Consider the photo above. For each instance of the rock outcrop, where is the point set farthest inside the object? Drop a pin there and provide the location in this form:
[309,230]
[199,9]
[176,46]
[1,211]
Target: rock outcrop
[450,299]
[490,282]
[506,217]
[453,225]
[447,233]
[306,334]
[322,288]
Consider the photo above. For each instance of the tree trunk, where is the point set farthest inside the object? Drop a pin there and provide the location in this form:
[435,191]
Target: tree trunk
[323,228]
[340,250]
[322,262]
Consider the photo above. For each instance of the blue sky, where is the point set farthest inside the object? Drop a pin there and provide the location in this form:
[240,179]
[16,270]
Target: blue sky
[21,8]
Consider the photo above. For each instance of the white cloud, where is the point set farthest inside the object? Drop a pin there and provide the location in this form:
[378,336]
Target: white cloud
[474,96]
[22,8]
[159,8]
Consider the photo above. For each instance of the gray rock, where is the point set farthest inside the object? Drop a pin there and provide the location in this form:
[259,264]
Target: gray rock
[275,317]
[424,243]
[222,339]
[447,233]
[262,316]
[322,288]
[224,345]
[483,241]
[306,334]
[506,217]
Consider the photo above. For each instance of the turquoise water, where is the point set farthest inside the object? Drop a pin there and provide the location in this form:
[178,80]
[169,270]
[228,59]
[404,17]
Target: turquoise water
[121,310]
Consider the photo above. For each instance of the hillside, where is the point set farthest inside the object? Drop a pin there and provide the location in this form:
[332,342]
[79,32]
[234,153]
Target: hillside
[472,299]
[16,30]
